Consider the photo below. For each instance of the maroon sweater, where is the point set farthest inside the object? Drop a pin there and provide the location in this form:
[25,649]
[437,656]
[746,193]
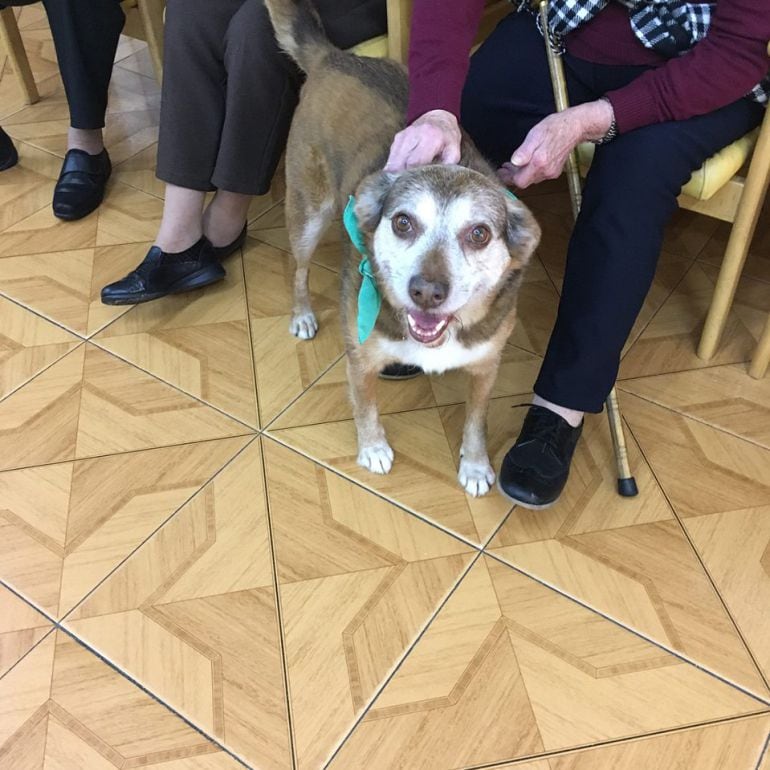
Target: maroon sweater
[724,66]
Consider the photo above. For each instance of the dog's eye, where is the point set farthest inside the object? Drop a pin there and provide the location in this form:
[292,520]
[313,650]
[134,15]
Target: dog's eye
[402,224]
[479,235]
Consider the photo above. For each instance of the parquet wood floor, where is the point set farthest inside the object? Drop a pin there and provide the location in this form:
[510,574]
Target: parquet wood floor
[196,575]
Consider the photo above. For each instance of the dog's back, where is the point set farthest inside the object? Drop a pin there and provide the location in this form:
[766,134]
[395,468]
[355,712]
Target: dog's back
[351,106]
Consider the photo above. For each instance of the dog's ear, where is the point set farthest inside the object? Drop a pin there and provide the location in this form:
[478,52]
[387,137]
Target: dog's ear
[522,232]
[370,197]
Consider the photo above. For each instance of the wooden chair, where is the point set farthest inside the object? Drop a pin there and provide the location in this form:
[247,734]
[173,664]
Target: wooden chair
[144,21]
[14,47]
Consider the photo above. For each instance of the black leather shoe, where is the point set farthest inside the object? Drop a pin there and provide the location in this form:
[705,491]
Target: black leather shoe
[400,372]
[223,252]
[8,155]
[536,467]
[81,184]
[162,273]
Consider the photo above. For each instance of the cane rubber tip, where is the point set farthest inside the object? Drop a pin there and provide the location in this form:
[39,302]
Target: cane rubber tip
[627,487]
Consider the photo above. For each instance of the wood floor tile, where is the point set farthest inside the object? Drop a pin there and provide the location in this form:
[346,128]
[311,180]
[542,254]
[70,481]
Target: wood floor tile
[537,304]
[41,232]
[702,470]
[716,747]
[63,708]
[628,558]
[757,263]
[128,216]
[28,344]
[65,285]
[669,342]
[191,615]
[90,403]
[328,401]
[21,628]
[426,443]
[138,171]
[286,366]
[64,527]
[270,228]
[735,547]
[27,187]
[764,763]
[364,573]
[722,396]
[509,668]
[197,341]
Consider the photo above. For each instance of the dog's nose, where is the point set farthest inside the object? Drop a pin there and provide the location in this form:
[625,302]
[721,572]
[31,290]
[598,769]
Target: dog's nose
[427,294]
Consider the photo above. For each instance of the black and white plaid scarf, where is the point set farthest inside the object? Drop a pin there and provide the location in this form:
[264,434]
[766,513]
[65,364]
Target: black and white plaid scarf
[669,27]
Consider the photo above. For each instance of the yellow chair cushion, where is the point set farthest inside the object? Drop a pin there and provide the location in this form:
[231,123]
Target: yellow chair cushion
[376,47]
[716,172]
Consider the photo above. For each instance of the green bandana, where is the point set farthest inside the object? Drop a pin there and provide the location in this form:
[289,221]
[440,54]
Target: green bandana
[369,298]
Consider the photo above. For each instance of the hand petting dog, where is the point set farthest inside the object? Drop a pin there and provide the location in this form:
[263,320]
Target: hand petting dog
[435,138]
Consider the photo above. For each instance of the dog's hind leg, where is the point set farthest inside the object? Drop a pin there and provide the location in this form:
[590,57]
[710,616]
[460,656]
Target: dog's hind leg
[476,474]
[307,222]
[374,452]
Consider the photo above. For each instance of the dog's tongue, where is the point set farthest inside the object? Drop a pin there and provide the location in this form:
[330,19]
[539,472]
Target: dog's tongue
[426,327]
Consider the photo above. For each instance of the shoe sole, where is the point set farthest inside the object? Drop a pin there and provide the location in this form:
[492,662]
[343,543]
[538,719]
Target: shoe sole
[524,504]
[401,377]
[197,280]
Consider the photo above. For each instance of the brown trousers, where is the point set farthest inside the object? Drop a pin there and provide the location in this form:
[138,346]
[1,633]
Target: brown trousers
[229,92]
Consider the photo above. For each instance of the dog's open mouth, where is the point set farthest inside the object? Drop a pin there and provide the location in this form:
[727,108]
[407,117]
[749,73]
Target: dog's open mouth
[427,327]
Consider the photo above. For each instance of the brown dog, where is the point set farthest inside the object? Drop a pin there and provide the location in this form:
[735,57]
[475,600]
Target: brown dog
[446,245]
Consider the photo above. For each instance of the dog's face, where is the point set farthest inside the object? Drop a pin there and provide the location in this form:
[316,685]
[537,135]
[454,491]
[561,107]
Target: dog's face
[442,239]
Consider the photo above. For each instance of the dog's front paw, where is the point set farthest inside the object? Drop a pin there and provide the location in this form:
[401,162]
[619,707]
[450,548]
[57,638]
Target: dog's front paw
[377,458]
[476,478]
[304,325]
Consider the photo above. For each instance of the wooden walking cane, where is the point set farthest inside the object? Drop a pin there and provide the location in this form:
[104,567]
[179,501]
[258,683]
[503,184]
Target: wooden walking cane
[626,482]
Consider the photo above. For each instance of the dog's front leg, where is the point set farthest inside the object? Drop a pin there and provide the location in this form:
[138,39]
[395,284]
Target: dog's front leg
[374,452]
[476,473]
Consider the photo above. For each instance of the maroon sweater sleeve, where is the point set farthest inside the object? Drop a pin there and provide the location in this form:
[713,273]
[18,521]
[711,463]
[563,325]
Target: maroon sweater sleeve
[724,66]
[442,33]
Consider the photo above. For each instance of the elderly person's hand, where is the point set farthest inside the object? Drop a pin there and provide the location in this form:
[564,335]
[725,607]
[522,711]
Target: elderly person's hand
[544,152]
[433,137]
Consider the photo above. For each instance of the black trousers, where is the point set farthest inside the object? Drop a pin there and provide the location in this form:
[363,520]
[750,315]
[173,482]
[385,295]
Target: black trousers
[85,34]
[229,93]
[629,195]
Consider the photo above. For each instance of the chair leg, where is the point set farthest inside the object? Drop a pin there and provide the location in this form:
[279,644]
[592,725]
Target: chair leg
[9,32]
[151,12]
[738,245]
[761,358]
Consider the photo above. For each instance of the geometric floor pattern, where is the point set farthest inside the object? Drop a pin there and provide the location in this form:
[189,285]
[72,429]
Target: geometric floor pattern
[195,574]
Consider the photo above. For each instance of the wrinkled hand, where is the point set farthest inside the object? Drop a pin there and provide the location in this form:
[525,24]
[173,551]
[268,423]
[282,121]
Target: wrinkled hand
[433,137]
[544,152]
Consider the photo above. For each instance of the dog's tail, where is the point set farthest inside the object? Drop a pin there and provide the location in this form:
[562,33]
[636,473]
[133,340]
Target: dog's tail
[299,31]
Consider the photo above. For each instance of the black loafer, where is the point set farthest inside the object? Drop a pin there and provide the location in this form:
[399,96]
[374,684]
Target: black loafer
[81,184]
[535,470]
[161,273]
[400,372]
[8,155]
[223,252]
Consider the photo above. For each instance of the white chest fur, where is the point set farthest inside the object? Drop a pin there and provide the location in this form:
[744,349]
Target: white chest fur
[450,355]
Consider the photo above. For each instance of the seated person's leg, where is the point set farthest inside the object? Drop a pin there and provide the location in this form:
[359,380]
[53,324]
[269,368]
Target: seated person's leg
[630,194]
[85,33]
[228,97]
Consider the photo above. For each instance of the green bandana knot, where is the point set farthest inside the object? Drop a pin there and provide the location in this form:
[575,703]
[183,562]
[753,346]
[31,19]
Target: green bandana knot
[369,298]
